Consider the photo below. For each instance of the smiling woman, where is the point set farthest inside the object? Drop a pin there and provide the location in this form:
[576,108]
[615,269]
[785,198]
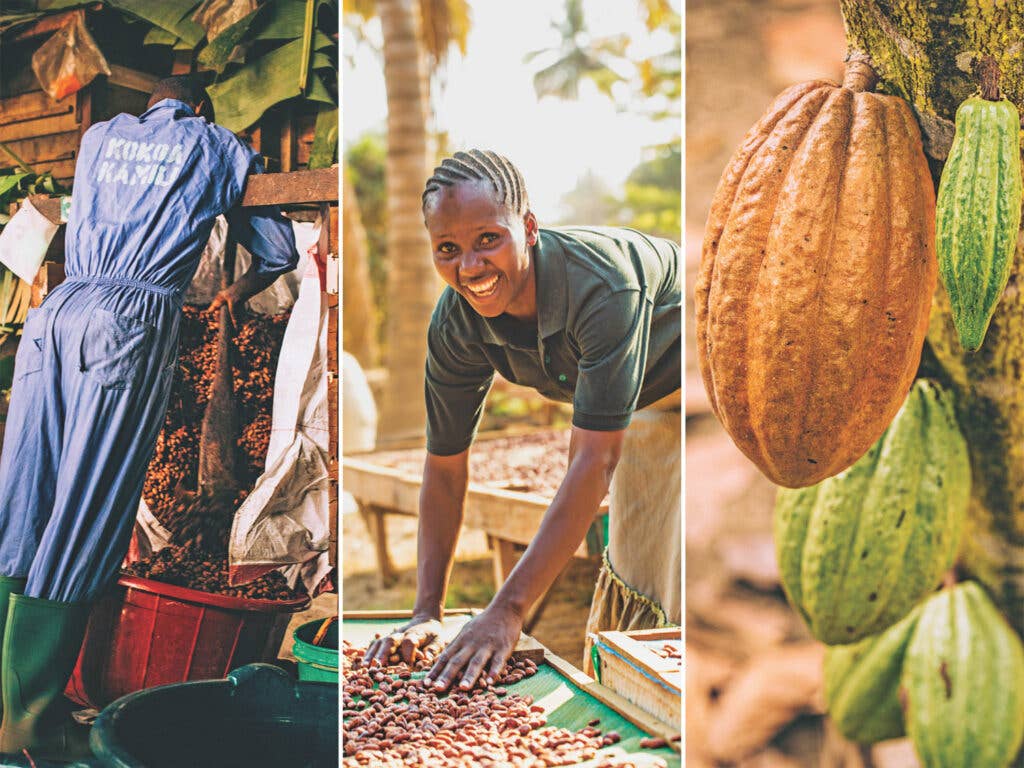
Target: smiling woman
[584,315]
[477,230]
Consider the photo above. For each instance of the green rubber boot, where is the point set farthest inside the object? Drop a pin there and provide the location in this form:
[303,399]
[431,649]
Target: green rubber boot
[9,585]
[41,644]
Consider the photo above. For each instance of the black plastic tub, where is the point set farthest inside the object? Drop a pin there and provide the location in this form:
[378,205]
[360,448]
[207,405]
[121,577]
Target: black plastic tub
[256,717]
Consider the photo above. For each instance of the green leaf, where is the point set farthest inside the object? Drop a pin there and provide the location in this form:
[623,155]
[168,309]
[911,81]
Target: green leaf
[318,91]
[8,20]
[284,20]
[7,183]
[325,139]
[240,100]
[216,54]
[6,372]
[171,15]
[158,36]
[59,5]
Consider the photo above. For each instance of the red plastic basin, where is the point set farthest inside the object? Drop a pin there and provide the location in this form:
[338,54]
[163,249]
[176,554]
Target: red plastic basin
[147,633]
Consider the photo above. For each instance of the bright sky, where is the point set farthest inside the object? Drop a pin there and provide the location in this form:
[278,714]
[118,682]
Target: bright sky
[488,99]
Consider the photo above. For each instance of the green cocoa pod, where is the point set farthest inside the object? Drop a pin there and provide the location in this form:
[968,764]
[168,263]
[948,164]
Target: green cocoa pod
[977,213]
[963,682]
[857,551]
[862,683]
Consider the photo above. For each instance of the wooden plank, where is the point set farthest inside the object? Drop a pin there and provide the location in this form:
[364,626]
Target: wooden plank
[34,105]
[634,650]
[375,520]
[132,79]
[505,557]
[631,668]
[44,149]
[398,615]
[620,704]
[287,143]
[62,170]
[261,189]
[44,126]
[508,515]
[319,186]
[332,519]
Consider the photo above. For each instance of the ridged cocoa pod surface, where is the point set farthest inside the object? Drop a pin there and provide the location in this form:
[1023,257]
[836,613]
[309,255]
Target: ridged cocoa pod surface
[816,278]
[962,683]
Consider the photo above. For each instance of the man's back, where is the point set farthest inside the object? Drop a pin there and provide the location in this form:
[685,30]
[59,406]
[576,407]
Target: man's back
[147,190]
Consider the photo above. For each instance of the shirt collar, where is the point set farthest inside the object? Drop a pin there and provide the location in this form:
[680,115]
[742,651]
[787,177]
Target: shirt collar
[552,304]
[179,109]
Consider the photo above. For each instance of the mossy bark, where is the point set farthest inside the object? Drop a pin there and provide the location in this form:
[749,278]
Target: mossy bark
[923,51]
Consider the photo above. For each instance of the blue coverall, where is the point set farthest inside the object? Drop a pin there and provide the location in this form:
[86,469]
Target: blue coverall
[96,361]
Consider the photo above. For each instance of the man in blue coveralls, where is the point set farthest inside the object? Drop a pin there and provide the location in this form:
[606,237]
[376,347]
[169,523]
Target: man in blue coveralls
[92,379]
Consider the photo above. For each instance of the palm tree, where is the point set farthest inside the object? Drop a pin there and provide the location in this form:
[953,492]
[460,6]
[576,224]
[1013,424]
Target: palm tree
[605,63]
[579,58]
[410,57]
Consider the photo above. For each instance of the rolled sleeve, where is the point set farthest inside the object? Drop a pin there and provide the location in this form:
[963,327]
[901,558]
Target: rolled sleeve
[268,236]
[456,387]
[264,232]
[613,339]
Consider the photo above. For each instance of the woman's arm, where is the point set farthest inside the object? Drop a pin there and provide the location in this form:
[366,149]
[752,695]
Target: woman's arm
[488,640]
[442,502]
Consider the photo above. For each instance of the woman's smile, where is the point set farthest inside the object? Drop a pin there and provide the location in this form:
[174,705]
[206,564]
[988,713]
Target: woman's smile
[482,287]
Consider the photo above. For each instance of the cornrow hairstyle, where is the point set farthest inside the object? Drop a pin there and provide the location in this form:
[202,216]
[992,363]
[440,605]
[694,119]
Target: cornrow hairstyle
[482,165]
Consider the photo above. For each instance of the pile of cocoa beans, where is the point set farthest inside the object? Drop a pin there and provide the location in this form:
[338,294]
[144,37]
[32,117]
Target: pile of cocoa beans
[175,462]
[172,477]
[190,566]
[391,719]
[533,463]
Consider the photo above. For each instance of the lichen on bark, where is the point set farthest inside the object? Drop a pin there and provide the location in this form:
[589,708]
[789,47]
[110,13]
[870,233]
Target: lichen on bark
[924,51]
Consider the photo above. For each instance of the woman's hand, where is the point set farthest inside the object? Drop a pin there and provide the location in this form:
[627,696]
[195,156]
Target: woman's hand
[486,642]
[419,633]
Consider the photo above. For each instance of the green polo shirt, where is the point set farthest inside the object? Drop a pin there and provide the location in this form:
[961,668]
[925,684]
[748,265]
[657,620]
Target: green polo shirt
[606,339]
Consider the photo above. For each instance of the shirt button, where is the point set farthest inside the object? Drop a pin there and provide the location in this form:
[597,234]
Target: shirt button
[562,377]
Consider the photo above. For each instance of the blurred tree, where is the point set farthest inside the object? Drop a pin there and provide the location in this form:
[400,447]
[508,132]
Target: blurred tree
[579,58]
[651,199]
[591,201]
[653,196]
[365,162]
[651,85]
[360,338]
[417,37]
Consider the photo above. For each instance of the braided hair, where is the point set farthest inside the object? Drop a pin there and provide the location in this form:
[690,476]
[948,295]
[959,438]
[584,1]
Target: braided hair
[482,165]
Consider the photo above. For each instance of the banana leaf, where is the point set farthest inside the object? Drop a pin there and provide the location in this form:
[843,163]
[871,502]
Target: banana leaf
[241,99]
[172,15]
[8,20]
[158,36]
[284,20]
[6,377]
[217,53]
[9,182]
[59,5]
[324,151]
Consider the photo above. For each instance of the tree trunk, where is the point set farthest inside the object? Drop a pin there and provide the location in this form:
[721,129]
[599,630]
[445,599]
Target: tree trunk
[360,332]
[412,284]
[923,52]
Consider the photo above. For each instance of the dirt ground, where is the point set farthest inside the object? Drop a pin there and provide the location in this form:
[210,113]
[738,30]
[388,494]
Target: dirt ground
[561,626]
[754,681]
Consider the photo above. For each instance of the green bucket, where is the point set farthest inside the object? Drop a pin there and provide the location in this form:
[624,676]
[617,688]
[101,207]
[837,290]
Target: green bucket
[317,662]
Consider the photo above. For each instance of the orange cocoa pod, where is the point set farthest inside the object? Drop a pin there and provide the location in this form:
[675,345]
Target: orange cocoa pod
[816,277]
